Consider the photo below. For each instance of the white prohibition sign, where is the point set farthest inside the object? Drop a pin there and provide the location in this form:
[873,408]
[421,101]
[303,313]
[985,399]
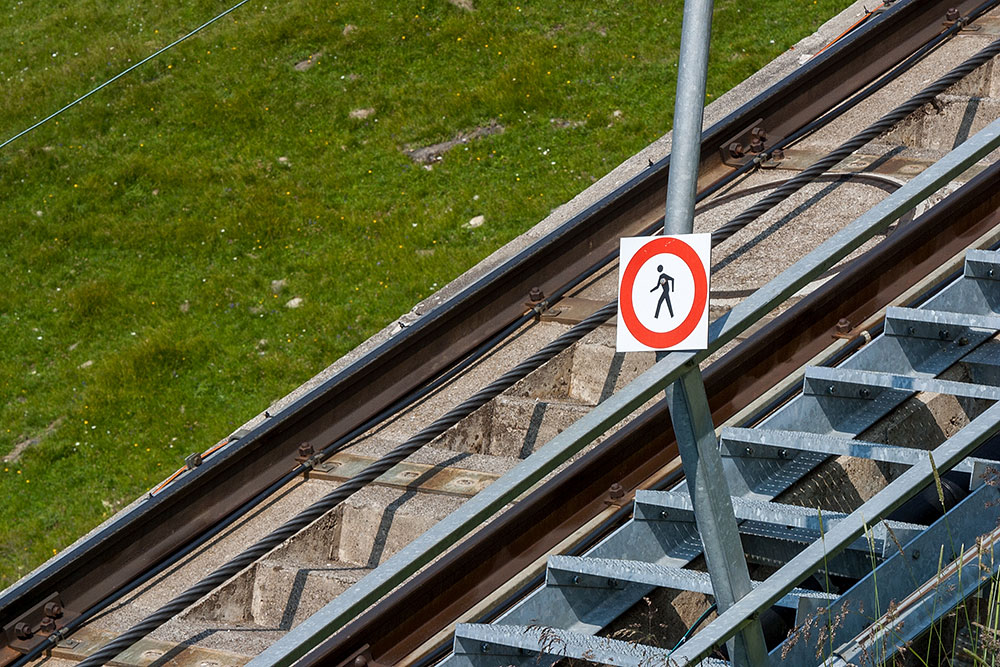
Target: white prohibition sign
[663,285]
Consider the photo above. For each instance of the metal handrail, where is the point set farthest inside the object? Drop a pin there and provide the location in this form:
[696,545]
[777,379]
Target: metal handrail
[491,500]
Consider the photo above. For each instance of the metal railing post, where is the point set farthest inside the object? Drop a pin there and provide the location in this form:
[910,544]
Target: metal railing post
[686,398]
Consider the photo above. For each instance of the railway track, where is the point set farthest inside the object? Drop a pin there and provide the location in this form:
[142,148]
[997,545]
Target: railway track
[261,602]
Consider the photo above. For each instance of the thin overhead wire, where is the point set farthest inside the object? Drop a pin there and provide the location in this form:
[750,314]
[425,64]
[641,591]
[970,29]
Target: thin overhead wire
[124,72]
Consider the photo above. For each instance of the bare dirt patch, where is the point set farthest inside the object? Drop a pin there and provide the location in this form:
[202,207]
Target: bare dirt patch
[19,448]
[433,153]
[308,63]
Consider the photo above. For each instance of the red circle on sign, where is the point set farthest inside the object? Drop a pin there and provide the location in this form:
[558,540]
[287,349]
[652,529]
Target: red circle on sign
[665,339]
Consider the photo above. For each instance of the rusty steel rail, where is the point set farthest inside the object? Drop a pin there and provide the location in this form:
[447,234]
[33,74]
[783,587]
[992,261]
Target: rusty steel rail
[392,630]
[138,540]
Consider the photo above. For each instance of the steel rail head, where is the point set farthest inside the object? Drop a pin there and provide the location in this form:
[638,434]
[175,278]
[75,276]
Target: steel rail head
[484,505]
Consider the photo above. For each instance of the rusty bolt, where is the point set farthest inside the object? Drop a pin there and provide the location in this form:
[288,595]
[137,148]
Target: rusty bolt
[53,609]
[23,630]
[616,491]
[48,625]
[305,450]
[736,150]
[756,145]
[535,294]
[361,661]
[759,133]
[777,154]
[843,325]
[193,460]
[952,14]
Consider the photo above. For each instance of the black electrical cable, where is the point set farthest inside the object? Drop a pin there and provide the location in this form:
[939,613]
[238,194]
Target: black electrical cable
[344,491]
[873,131]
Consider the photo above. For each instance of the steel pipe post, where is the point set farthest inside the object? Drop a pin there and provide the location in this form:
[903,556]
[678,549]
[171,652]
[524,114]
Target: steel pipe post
[689,111]
[713,508]
[686,398]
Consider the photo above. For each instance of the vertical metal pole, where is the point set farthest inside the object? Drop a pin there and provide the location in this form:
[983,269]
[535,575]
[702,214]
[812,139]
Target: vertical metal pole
[686,398]
[689,111]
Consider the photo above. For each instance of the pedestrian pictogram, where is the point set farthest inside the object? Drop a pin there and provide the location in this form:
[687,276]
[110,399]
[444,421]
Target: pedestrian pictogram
[663,293]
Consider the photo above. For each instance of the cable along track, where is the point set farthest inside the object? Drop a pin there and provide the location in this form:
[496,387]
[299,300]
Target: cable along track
[92,571]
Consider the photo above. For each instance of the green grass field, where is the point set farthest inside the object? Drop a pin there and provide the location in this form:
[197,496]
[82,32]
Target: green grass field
[141,230]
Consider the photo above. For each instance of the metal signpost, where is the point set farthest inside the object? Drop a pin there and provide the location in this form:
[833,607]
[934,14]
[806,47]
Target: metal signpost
[687,401]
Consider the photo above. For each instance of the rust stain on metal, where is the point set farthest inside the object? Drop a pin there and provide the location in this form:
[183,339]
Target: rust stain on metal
[427,478]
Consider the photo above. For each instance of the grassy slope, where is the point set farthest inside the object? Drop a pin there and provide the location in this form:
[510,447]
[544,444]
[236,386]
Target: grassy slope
[140,233]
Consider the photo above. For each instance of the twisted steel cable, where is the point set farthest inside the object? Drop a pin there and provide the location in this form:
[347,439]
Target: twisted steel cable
[347,489]
[873,131]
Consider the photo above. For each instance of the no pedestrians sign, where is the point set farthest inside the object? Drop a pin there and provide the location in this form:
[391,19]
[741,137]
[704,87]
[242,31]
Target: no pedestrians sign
[663,292]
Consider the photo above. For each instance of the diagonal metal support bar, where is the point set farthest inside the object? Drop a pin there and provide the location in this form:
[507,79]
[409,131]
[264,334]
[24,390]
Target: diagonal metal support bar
[712,504]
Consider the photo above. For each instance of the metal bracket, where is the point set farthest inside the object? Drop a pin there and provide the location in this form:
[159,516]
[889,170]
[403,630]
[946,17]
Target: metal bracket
[743,146]
[32,627]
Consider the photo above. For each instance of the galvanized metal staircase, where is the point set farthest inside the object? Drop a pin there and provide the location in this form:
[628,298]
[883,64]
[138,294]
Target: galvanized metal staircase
[582,595]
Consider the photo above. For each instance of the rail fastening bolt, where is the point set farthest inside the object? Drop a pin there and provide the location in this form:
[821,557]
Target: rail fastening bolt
[952,14]
[756,145]
[736,150]
[306,450]
[535,294]
[616,491]
[47,625]
[53,609]
[843,325]
[23,631]
[193,460]
[777,154]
